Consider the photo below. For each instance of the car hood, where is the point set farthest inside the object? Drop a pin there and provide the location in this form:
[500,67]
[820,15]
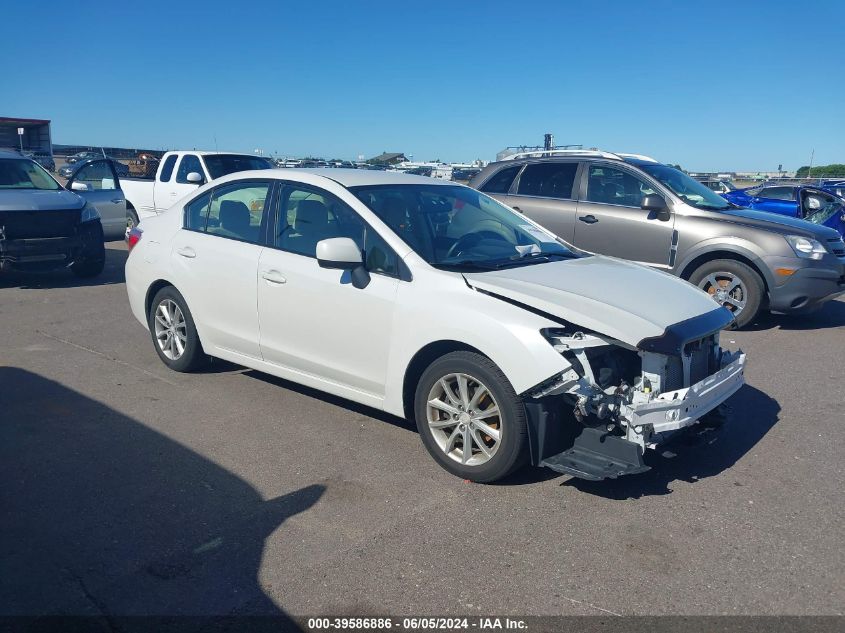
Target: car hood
[778,223]
[38,200]
[610,296]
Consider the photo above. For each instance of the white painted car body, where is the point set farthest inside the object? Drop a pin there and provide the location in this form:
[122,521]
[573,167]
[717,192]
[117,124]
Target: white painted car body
[282,313]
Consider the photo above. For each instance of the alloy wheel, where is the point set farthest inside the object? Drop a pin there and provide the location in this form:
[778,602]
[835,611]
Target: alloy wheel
[170,329]
[464,419]
[727,289]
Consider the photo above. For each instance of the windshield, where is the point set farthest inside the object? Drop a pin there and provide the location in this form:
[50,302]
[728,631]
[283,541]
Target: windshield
[222,164]
[690,191]
[451,226]
[22,173]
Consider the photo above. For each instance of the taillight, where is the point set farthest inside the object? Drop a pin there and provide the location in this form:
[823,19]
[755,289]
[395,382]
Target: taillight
[133,238]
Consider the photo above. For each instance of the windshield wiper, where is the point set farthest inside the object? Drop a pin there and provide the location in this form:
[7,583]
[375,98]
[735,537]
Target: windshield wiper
[467,263]
[531,254]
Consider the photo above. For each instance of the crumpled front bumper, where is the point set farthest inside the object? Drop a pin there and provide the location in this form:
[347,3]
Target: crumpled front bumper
[673,410]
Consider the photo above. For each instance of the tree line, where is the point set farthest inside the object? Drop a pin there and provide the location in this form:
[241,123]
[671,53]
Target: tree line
[836,170]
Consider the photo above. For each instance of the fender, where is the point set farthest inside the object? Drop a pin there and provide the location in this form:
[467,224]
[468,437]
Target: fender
[735,245]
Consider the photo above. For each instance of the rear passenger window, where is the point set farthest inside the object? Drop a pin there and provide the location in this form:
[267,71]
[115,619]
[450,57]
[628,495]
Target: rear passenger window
[777,193]
[196,213]
[167,168]
[236,211]
[501,180]
[549,180]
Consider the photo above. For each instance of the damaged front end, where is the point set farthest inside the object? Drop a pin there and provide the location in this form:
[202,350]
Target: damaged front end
[626,399]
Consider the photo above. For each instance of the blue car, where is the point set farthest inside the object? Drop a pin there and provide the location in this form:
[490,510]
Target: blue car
[813,204]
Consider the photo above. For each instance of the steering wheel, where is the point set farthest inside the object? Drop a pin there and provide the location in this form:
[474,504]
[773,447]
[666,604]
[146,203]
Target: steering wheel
[466,242]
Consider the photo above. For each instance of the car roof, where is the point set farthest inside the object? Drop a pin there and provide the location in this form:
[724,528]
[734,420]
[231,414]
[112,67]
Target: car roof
[358,177]
[10,154]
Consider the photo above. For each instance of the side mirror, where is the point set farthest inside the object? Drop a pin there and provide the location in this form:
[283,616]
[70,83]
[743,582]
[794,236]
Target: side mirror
[343,254]
[655,203]
[194,177]
[78,186]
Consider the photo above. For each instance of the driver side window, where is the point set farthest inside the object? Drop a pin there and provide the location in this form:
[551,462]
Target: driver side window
[609,185]
[308,215]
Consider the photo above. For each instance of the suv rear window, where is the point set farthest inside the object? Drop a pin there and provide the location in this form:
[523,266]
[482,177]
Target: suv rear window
[501,180]
[549,180]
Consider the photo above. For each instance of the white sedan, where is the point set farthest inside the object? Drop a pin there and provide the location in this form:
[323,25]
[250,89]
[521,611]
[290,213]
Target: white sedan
[432,301]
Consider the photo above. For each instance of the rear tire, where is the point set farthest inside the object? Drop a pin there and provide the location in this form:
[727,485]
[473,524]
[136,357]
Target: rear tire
[734,285]
[131,221]
[174,333]
[475,405]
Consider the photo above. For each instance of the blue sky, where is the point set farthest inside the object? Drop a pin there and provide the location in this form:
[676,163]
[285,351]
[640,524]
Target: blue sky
[716,85]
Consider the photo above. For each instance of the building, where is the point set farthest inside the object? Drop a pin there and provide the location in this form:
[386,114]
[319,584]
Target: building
[386,158]
[35,137]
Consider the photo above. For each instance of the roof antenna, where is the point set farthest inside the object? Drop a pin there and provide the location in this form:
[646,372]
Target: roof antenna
[216,151]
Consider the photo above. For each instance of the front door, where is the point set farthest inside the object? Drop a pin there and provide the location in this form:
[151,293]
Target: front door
[215,261]
[611,222]
[167,194]
[313,320]
[103,191]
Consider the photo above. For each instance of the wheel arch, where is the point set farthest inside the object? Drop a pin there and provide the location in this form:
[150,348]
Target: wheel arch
[709,256]
[153,288]
[420,362]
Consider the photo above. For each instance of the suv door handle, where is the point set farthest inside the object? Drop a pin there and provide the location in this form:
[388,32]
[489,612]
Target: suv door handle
[117,200]
[273,276]
[518,209]
[589,219]
[187,251]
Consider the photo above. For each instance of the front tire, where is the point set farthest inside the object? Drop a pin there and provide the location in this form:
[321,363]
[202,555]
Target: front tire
[732,284]
[470,419]
[173,331]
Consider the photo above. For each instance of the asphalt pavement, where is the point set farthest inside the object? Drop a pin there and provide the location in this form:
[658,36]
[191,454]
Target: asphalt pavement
[131,489]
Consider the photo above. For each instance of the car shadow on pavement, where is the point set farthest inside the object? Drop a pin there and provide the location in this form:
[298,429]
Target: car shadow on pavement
[751,414]
[831,315]
[113,273]
[101,516]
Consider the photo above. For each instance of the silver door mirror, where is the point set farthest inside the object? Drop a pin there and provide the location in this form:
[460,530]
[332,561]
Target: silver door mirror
[194,177]
[78,186]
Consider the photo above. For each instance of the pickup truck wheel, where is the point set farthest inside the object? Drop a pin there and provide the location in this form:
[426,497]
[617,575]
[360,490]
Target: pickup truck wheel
[131,220]
[470,419]
[173,331]
[732,284]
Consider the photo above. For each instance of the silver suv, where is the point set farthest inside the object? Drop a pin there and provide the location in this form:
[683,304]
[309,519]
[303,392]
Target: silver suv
[633,207]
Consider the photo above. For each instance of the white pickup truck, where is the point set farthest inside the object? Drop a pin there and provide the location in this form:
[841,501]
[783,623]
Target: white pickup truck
[179,173]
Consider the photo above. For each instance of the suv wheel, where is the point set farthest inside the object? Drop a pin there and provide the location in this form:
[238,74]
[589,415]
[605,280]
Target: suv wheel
[732,284]
[470,419]
[173,331]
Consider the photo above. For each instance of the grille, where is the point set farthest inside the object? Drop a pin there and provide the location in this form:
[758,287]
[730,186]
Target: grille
[21,225]
[701,364]
[836,246]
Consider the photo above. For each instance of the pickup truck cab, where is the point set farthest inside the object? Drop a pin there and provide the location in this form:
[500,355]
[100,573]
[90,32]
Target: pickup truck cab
[179,173]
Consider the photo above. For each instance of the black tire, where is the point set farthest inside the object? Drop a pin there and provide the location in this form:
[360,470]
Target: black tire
[512,450]
[193,357]
[752,287]
[86,268]
[131,220]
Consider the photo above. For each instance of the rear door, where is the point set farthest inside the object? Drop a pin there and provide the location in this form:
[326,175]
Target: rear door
[544,191]
[162,198]
[611,222]
[215,263]
[499,185]
[103,191]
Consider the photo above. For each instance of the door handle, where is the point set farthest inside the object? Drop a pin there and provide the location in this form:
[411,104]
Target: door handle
[118,200]
[187,251]
[273,276]
[518,209]
[172,194]
[589,219]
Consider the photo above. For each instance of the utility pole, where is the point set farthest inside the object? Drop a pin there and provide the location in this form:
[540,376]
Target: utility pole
[810,171]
